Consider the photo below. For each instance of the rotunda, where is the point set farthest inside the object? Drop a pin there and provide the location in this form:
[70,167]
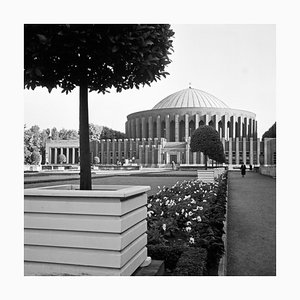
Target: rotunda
[179,114]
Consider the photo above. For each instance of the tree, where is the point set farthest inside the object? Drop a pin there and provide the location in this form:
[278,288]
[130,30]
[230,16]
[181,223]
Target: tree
[62,158]
[206,139]
[95,131]
[54,134]
[35,158]
[108,133]
[271,132]
[94,58]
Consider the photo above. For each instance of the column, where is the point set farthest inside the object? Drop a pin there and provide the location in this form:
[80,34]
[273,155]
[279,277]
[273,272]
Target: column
[152,156]
[150,122]
[244,150]
[108,151]
[137,128]
[67,155]
[73,156]
[224,127]
[167,158]
[230,151]
[146,155]
[250,130]
[132,128]
[114,150]
[143,127]
[158,127]
[137,142]
[159,151]
[141,158]
[125,148]
[245,131]
[237,151]
[187,154]
[49,155]
[186,126]
[176,128]
[258,151]
[202,158]
[251,150]
[120,150]
[167,120]
[265,151]
[197,120]
[240,125]
[102,152]
[194,158]
[232,126]
[131,148]
[55,155]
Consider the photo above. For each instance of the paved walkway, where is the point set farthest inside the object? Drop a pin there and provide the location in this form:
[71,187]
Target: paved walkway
[251,225]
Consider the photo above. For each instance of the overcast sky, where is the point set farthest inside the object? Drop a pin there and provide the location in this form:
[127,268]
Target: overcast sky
[235,63]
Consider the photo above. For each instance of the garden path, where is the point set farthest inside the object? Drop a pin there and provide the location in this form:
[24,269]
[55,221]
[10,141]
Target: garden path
[251,225]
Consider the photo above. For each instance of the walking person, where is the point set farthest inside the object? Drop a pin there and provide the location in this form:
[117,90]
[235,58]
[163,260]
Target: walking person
[243,169]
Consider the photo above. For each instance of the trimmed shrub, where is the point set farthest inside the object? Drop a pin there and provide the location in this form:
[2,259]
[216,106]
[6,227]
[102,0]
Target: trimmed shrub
[192,262]
[62,158]
[96,160]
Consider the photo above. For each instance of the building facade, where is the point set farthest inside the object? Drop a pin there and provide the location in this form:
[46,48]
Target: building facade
[160,136]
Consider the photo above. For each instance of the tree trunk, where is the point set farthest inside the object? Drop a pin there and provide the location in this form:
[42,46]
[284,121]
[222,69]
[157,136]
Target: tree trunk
[205,158]
[84,141]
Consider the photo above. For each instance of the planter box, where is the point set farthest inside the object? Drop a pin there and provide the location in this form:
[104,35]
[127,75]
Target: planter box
[74,232]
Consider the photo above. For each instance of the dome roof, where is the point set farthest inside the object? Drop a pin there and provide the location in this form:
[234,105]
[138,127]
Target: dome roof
[190,97]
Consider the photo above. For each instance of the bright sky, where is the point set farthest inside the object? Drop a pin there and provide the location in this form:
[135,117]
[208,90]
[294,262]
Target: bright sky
[235,63]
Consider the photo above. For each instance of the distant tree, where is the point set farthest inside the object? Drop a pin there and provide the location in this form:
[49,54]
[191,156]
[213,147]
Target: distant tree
[95,58]
[96,160]
[62,158]
[63,134]
[95,131]
[271,132]
[206,139]
[108,133]
[35,158]
[44,136]
[72,134]
[54,134]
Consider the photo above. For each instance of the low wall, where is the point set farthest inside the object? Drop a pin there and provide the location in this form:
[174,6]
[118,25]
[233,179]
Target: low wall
[268,170]
[32,168]
[68,231]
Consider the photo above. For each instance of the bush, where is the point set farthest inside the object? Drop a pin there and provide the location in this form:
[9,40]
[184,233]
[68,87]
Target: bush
[62,158]
[190,214]
[35,158]
[96,160]
[170,254]
[192,263]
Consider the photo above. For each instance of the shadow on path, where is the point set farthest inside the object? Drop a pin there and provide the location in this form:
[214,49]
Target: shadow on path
[251,227]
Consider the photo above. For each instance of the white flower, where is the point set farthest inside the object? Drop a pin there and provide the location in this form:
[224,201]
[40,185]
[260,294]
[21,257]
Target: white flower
[188,223]
[164,227]
[149,205]
[186,215]
[190,213]
[192,240]
[199,219]
[204,200]
[188,229]
[201,208]
[162,213]
[150,212]
[177,214]
[182,211]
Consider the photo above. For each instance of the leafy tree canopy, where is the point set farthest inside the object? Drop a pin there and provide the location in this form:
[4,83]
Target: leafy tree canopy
[207,140]
[121,55]
[271,132]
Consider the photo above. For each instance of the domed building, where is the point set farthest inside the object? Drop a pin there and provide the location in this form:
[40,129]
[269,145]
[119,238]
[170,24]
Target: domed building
[178,115]
[161,135]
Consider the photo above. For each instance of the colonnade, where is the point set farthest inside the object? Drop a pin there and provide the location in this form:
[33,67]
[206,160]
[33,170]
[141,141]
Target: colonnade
[71,153]
[177,127]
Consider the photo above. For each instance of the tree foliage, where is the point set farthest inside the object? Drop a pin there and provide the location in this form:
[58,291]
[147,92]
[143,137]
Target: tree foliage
[35,158]
[120,55]
[206,139]
[95,58]
[108,133]
[271,132]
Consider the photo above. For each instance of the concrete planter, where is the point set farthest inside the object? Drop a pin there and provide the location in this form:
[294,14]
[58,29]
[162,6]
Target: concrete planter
[74,232]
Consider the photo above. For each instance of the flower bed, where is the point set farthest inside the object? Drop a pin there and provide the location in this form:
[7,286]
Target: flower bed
[185,224]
